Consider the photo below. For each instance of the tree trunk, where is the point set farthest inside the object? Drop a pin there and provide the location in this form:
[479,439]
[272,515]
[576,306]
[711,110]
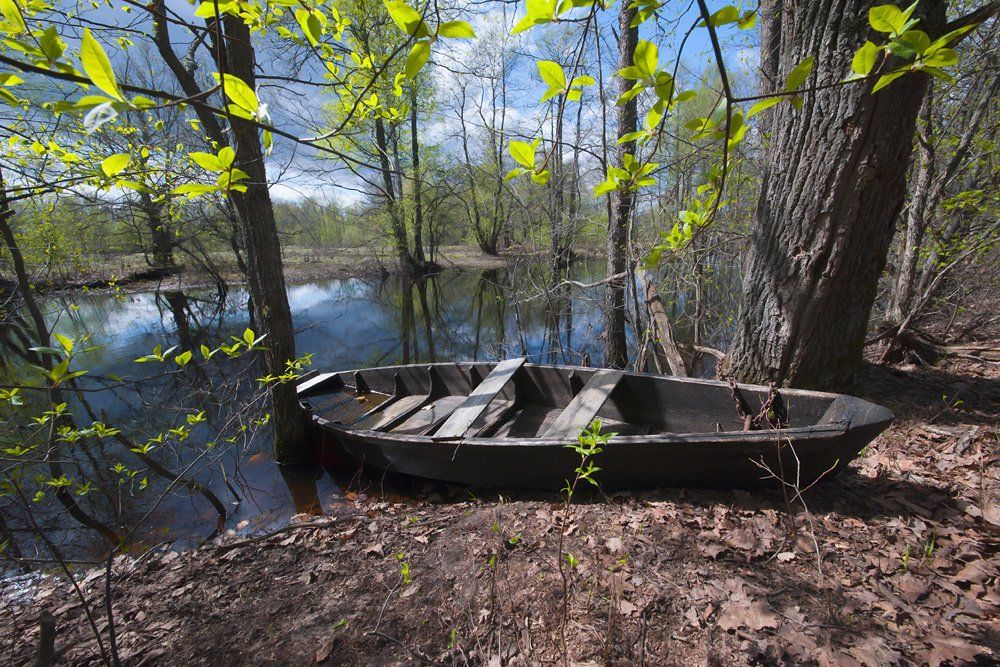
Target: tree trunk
[396,225]
[916,221]
[928,191]
[263,250]
[833,183]
[615,344]
[161,245]
[418,212]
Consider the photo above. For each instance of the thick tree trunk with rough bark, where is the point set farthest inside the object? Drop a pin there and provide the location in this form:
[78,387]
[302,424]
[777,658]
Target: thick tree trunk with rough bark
[615,344]
[834,182]
[263,257]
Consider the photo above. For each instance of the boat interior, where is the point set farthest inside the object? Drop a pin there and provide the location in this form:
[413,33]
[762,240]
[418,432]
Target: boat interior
[514,399]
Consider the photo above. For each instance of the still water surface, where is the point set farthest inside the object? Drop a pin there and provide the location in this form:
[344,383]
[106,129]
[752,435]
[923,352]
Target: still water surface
[343,323]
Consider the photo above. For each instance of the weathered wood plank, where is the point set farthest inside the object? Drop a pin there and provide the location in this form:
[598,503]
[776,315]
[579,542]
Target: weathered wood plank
[585,406]
[664,332]
[476,403]
[314,383]
[429,415]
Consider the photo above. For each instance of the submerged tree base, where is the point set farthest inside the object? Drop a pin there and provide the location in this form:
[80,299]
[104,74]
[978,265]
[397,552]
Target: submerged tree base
[905,573]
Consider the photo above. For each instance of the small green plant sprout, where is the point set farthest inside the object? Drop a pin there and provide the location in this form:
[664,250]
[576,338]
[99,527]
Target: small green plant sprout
[513,540]
[404,568]
[930,545]
[572,560]
[589,444]
[620,563]
[342,623]
[453,639]
[905,559]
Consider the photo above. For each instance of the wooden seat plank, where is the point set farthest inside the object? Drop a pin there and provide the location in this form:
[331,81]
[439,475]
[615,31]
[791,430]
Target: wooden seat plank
[395,413]
[475,404]
[584,407]
[429,416]
[316,382]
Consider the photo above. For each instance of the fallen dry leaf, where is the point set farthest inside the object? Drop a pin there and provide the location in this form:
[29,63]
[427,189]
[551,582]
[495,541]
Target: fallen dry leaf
[955,650]
[755,615]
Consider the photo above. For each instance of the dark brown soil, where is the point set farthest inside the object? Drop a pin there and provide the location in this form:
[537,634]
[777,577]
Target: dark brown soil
[906,570]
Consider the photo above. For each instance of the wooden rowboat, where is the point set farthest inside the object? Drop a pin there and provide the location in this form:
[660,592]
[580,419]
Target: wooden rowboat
[508,424]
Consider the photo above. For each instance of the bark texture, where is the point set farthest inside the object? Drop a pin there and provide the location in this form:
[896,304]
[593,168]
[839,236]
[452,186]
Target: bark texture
[615,344]
[265,276]
[833,185]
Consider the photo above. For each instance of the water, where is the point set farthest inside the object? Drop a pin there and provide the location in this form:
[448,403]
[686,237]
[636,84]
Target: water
[343,323]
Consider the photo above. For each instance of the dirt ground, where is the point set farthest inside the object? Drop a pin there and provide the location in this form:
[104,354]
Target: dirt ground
[906,570]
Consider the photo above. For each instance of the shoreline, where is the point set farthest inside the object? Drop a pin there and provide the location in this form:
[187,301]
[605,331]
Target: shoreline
[301,265]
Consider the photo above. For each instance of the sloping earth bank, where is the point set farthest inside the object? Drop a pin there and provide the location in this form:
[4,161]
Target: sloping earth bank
[906,571]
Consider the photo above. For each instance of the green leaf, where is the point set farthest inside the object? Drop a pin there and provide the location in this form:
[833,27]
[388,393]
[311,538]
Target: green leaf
[916,40]
[514,173]
[64,341]
[947,38]
[97,65]
[51,44]
[886,79]
[605,187]
[886,18]
[629,94]
[864,59]
[13,14]
[940,74]
[941,58]
[664,87]
[456,29]
[747,21]
[249,337]
[310,25]
[540,177]
[417,58]
[183,358]
[408,19]
[646,58]
[583,80]
[538,11]
[727,14]
[240,93]
[552,74]
[226,156]
[192,190]
[763,105]
[524,152]
[799,74]
[114,164]
[631,136]
[207,161]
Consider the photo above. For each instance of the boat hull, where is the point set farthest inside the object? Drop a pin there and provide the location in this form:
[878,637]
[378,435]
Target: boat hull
[799,455]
